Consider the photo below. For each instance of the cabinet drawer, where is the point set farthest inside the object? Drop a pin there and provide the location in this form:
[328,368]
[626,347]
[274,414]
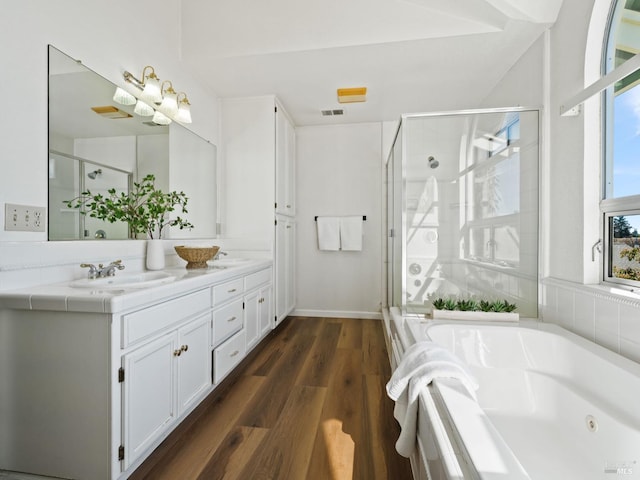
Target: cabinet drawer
[255,279]
[228,355]
[225,291]
[144,323]
[227,321]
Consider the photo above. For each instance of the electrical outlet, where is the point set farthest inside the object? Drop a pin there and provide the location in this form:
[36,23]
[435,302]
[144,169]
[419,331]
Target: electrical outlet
[24,218]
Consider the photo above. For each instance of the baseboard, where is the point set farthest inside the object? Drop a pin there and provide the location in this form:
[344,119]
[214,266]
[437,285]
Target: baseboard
[336,314]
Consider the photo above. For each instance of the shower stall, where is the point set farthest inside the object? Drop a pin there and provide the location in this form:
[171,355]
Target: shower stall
[69,176]
[462,209]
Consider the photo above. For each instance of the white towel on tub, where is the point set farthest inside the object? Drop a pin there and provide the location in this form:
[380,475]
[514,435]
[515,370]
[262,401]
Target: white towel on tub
[328,233]
[421,363]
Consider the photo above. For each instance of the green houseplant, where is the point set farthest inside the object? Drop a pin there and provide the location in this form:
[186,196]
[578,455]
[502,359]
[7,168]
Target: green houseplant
[473,309]
[145,208]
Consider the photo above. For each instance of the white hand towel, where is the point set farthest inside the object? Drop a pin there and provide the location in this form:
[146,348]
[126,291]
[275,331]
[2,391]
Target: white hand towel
[328,233]
[351,233]
[421,363]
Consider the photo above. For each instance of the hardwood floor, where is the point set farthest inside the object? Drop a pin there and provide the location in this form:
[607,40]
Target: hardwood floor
[307,404]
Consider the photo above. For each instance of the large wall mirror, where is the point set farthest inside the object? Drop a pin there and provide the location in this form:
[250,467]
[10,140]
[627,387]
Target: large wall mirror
[93,148]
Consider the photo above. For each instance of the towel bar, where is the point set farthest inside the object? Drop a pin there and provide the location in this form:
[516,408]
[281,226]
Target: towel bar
[364,218]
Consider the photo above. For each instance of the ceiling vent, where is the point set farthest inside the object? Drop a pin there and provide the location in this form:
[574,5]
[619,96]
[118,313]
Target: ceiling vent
[352,95]
[110,111]
[329,113]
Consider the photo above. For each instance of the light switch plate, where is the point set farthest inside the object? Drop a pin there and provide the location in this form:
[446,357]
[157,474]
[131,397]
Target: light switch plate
[24,218]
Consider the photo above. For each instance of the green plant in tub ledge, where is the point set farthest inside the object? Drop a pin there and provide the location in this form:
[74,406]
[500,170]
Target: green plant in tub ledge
[473,305]
[145,208]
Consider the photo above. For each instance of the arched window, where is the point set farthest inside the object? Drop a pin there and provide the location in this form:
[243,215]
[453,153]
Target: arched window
[621,180]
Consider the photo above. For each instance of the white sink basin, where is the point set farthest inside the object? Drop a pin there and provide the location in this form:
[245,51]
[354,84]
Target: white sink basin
[134,280]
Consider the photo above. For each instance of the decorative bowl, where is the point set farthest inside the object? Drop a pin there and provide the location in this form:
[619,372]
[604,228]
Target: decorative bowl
[196,257]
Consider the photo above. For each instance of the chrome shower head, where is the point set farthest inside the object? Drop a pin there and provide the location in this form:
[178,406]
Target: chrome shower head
[94,174]
[433,163]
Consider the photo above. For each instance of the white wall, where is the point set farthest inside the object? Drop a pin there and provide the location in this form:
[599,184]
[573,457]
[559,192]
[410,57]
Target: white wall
[557,67]
[339,172]
[571,298]
[108,37]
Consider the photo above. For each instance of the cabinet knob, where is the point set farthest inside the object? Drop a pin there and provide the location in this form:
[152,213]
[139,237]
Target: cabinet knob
[235,353]
[231,319]
[184,348]
[177,353]
[231,291]
[288,206]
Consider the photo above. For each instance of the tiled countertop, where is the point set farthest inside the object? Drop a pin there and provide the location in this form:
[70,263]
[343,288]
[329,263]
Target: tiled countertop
[62,297]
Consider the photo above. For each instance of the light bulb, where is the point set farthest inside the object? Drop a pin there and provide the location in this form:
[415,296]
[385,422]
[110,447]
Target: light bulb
[161,119]
[123,97]
[143,109]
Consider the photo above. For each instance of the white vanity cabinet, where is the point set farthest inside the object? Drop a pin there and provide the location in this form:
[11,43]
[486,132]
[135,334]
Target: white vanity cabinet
[258,307]
[88,394]
[253,311]
[161,380]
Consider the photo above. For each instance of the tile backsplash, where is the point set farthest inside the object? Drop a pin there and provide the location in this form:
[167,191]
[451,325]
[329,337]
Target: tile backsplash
[609,317]
[25,264]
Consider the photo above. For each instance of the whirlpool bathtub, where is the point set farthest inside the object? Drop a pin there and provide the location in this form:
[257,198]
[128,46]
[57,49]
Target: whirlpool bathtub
[550,406]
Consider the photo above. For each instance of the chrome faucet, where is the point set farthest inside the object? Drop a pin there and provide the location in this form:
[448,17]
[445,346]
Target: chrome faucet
[220,252]
[101,270]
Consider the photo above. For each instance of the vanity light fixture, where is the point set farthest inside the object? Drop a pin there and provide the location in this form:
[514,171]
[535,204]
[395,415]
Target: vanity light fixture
[184,109]
[143,109]
[123,97]
[169,99]
[166,104]
[151,84]
[160,118]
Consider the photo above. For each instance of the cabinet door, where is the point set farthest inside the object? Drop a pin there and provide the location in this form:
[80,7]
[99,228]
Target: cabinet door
[290,266]
[251,309]
[265,312]
[285,267]
[285,154]
[194,364]
[148,395]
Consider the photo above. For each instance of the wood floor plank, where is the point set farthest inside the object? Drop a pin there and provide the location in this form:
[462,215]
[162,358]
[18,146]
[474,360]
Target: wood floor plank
[351,333]
[264,409]
[187,457]
[318,365]
[379,430]
[267,358]
[338,432]
[286,449]
[233,454]
[375,357]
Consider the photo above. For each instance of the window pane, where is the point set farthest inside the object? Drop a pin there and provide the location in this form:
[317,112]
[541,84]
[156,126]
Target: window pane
[625,247]
[624,41]
[624,169]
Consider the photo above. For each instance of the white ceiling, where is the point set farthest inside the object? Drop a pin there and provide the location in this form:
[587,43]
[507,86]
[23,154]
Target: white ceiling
[412,55]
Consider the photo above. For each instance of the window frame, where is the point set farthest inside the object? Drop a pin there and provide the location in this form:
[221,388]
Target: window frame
[610,206]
